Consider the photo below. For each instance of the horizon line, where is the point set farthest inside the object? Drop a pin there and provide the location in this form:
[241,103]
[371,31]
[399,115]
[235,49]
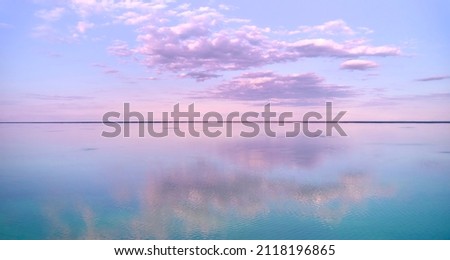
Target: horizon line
[236,122]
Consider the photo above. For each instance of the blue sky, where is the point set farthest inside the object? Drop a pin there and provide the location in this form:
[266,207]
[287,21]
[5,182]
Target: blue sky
[77,59]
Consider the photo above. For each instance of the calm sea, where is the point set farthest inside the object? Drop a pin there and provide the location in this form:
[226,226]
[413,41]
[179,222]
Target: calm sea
[382,181]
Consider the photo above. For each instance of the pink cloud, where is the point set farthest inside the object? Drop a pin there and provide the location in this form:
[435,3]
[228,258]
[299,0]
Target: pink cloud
[330,48]
[358,65]
[204,41]
[194,47]
[293,88]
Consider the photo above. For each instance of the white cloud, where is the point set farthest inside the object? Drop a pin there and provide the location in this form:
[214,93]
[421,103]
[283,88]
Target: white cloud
[292,88]
[358,65]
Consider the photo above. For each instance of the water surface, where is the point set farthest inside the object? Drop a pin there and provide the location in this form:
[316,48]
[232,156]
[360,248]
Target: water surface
[382,181]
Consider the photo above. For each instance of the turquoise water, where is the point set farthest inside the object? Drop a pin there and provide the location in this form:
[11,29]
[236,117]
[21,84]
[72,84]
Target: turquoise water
[382,181]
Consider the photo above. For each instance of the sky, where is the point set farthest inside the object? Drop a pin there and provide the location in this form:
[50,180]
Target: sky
[66,60]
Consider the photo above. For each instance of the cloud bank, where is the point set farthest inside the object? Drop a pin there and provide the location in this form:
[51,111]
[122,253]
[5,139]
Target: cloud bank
[204,42]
